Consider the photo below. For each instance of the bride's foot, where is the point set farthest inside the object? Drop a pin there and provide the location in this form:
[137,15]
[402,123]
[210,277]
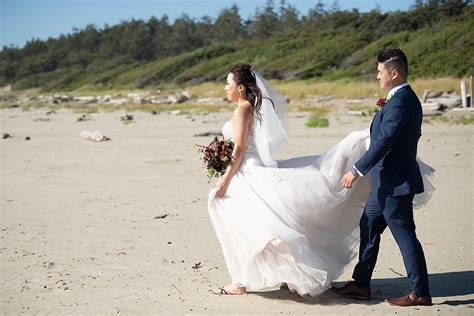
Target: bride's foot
[230,289]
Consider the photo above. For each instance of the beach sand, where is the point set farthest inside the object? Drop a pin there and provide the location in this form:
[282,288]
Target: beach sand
[84,231]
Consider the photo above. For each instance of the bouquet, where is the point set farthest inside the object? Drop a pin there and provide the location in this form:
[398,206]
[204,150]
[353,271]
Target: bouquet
[217,156]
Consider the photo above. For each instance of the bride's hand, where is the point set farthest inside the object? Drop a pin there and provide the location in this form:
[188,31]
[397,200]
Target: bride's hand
[221,186]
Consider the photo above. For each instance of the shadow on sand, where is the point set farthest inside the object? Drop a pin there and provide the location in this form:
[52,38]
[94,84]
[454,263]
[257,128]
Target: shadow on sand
[446,284]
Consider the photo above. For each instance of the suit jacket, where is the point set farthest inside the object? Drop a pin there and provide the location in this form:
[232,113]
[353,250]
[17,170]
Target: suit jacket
[394,136]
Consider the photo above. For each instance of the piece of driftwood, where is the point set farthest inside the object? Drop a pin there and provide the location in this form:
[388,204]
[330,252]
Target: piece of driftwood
[425,95]
[472,92]
[448,101]
[463,109]
[357,113]
[93,136]
[432,106]
[463,94]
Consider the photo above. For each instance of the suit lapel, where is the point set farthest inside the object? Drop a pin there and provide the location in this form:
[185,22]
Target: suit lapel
[401,90]
[373,120]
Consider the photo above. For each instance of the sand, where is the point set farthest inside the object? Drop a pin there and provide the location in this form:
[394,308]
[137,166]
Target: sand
[121,227]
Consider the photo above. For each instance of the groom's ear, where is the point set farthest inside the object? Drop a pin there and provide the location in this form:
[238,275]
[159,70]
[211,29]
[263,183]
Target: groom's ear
[394,73]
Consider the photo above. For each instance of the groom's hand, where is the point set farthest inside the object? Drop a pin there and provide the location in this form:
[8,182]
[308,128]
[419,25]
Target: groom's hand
[348,179]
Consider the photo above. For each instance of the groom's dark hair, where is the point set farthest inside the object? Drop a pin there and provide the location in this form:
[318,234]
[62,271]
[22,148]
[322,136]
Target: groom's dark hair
[394,58]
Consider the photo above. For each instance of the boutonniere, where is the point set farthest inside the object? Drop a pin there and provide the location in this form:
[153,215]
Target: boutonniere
[382,102]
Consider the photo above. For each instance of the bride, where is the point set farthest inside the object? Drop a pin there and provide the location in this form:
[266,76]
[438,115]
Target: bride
[286,223]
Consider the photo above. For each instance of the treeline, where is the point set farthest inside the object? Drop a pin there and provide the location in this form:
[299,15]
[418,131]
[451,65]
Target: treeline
[151,52]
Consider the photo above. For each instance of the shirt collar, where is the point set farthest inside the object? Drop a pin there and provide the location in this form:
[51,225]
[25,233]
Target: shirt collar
[392,92]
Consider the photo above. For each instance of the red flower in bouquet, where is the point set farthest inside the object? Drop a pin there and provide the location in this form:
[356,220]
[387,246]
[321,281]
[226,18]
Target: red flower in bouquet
[381,102]
[217,156]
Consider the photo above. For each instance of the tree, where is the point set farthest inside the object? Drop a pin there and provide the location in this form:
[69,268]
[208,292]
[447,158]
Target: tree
[454,7]
[316,13]
[161,36]
[142,47]
[203,32]
[418,4]
[228,25]
[90,38]
[181,39]
[9,57]
[110,44]
[34,47]
[335,6]
[265,22]
[289,17]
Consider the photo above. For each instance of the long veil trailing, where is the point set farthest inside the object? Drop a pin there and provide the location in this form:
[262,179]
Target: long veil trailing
[427,174]
[270,131]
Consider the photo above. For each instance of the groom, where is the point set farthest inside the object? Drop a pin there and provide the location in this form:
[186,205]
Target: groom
[396,178]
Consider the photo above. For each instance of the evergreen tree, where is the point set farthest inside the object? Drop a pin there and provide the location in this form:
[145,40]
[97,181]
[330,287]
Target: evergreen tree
[265,22]
[335,6]
[289,17]
[181,39]
[228,25]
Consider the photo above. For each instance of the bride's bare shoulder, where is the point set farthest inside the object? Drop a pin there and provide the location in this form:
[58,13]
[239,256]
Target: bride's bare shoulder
[243,110]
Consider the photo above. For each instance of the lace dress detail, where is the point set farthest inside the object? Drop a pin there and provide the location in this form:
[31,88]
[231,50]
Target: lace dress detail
[251,149]
[228,132]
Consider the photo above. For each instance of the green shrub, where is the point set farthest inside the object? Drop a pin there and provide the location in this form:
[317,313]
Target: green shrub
[317,120]
[464,120]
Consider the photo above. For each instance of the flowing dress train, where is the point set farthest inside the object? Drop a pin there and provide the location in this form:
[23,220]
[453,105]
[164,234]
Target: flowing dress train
[294,224]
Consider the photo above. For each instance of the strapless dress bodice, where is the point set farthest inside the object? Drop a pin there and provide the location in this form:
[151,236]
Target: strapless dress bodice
[251,154]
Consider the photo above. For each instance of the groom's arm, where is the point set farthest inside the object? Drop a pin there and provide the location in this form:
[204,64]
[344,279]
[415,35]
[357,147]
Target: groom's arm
[393,121]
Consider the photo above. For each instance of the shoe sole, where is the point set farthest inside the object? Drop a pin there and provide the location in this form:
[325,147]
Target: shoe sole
[408,305]
[360,298]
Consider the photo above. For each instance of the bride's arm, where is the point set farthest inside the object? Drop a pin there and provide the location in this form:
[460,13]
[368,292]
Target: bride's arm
[241,119]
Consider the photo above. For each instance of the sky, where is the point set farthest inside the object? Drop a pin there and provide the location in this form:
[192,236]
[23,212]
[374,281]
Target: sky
[23,20]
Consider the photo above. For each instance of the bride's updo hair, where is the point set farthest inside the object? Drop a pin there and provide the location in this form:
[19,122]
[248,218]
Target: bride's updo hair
[243,75]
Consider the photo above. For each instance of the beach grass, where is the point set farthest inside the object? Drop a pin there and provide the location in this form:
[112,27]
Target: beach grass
[459,119]
[342,88]
[316,120]
[363,107]
[464,120]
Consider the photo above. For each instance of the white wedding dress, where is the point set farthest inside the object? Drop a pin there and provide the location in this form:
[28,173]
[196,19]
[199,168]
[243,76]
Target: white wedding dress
[294,223]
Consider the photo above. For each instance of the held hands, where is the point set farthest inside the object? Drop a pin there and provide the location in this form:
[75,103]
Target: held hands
[221,186]
[348,179]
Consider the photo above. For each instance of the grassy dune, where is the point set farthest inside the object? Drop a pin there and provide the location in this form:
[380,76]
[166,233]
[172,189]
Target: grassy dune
[293,90]
[343,88]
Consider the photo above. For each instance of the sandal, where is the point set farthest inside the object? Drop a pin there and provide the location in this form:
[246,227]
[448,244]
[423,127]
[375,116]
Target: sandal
[223,291]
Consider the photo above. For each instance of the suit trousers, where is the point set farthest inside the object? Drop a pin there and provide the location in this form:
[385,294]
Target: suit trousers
[397,213]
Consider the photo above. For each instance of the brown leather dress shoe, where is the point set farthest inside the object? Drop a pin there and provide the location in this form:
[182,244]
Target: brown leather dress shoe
[411,299]
[351,290]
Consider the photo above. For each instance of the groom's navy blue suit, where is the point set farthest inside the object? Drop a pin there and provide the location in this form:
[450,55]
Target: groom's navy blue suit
[396,177]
